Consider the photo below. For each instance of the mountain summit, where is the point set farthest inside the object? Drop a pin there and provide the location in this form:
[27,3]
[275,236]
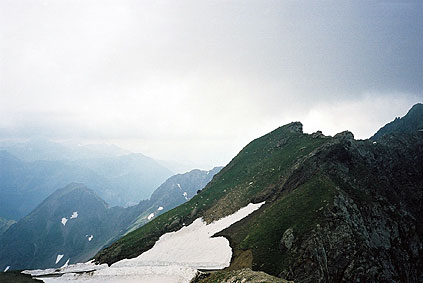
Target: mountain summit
[71,225]
[336,209]
[411,122]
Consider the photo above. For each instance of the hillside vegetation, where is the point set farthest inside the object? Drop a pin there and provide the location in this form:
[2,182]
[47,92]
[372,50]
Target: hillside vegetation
[337,209]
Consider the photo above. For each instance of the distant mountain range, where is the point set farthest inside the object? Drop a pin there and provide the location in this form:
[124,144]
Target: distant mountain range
[175,191]
[336,209]
[5,224]
[133,177]
[119,179]
[74,222]
[44,149]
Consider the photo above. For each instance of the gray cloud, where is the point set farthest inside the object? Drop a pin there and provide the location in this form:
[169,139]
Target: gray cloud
[196,80]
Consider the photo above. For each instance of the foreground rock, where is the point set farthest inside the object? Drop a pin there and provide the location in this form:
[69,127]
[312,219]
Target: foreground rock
[235,276]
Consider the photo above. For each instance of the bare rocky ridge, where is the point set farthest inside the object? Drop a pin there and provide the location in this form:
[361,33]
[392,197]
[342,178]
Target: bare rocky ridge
[242,275]
[371,231]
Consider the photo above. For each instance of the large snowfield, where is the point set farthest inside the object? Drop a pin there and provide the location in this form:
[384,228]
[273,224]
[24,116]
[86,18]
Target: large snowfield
[175,257]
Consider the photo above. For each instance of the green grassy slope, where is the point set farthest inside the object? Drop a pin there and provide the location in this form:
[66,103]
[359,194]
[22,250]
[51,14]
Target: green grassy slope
[254,175]
[261,233]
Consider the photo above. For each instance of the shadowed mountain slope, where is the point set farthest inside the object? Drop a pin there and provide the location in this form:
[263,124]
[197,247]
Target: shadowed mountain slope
[410,123]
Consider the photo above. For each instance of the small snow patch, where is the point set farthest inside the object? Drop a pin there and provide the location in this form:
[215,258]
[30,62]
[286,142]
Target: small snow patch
[74,215]
[174,257]
[90,238]
[208,172]
[186,195]
[250,183]
[374,142]
[160,208]
[59,257]
[7,268]
[64,220]
[150,216]
[179,186]
[66,263]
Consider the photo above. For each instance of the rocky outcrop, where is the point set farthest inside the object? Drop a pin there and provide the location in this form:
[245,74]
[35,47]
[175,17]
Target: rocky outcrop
[372,230]
[287,239]
[242,275]
[295,127]
[337,209]
[410,123]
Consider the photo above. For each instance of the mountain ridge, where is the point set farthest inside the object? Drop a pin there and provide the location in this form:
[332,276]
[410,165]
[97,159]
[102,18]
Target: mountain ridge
[411,122]
[75,222]
[337,209]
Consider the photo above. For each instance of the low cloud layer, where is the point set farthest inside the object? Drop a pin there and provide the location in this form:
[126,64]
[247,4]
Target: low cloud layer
[195,81]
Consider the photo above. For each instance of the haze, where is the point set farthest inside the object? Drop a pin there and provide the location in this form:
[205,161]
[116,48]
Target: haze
[195,81]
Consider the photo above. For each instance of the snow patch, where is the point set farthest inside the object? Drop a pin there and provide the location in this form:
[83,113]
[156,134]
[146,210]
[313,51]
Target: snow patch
[59,257]
[66,263]
[160,208]
[90,238]
[208,172]
[7,268]
[179,186]
[74,215]
[186,195]
[150,216]
[174,258]
[192,245]
[374,142]
[64,220]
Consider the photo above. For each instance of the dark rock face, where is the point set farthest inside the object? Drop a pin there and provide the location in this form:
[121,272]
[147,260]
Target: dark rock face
[410,123]
[373,230]
[241,275]
[346,135]
[295,127]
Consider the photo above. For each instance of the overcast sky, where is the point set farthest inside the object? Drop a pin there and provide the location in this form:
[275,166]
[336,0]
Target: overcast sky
[195,81]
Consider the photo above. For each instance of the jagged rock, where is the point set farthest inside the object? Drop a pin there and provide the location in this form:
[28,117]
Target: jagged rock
[239,276]
[317,134]
[345,135]
[287,238]
[295,127]
[194,212]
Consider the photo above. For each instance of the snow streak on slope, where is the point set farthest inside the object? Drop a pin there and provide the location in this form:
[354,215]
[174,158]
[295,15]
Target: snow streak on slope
[174,258]
[74,215]
[59,257]
[150,216]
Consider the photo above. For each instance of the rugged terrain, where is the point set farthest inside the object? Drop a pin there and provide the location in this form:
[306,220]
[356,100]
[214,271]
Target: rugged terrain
[410,123]
[75,223]
[119,180]
[337,209]
[175,191]
[71,224]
